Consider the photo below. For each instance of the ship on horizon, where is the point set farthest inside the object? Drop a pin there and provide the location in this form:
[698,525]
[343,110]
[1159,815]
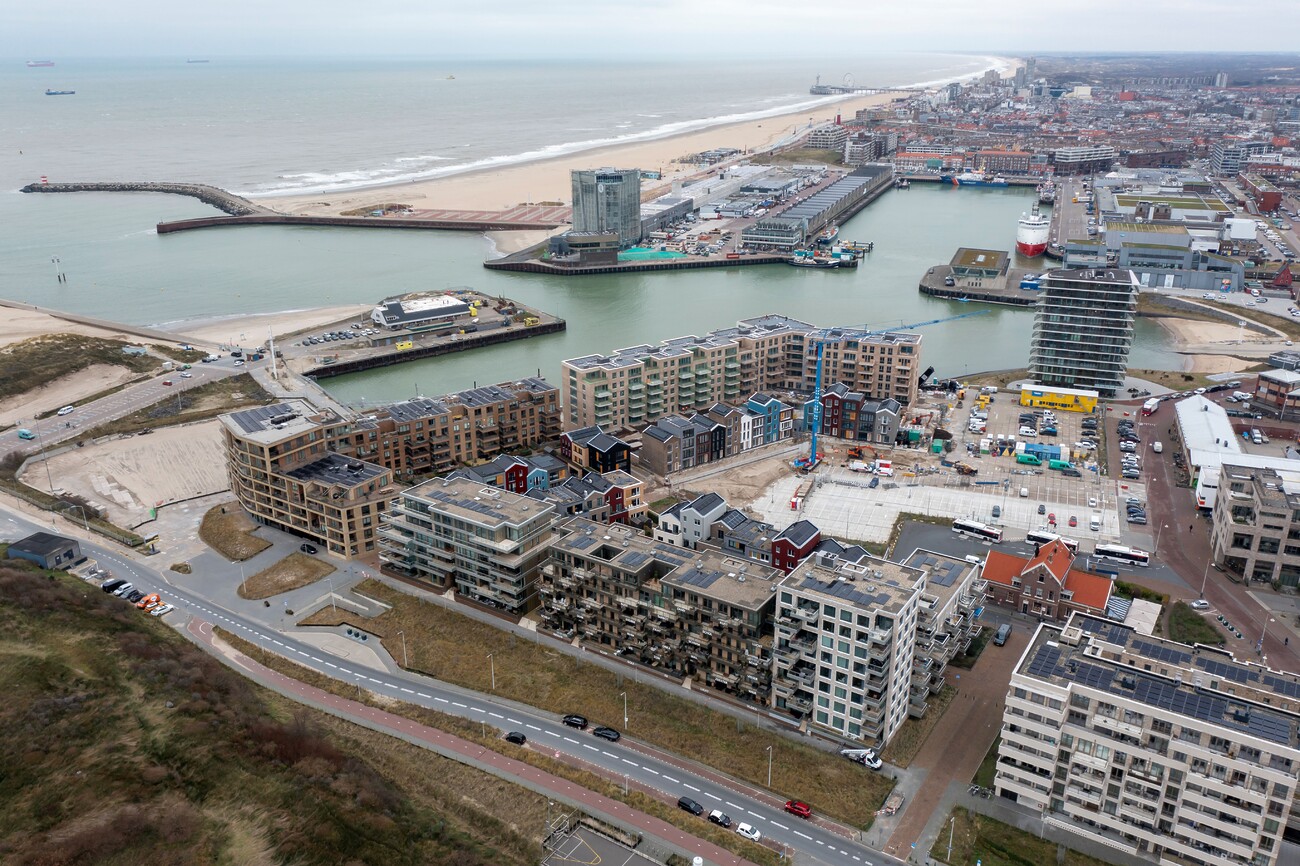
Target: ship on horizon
[32,64]
[973,178]
[49,92]
[196,61]
[1031,233]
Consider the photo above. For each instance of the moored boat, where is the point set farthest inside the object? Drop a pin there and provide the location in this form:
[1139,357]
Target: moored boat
[1031,233]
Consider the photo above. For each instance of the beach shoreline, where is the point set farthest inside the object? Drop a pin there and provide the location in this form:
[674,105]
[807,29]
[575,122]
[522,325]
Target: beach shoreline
[546,179]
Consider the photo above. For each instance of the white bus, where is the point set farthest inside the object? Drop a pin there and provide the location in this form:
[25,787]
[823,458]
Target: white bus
[1120,553]
[1038,536]
[975,529]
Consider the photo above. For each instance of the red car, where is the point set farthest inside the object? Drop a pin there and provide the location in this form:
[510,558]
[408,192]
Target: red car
[1051,518]
[798,807]
[1074,521]
[167,381]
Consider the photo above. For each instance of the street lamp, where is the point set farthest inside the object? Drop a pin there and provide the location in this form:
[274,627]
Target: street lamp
[623,695]
[84,521]
[1159,530]
[769,766]
[1206,577]
[406,663]
[492,667]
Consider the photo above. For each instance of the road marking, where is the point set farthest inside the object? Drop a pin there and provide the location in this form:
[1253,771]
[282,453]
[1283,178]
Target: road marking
[313,658]
[459,704]
[648,770]
[731,805]
[373,680]
[444,701]
[571,740]
[804,835]
[477,709]
[512,721]
[714,796]
[551,733]
[633,763]
[668,778]
[591,748]
[408,691]
[422,694]
[532,727]
[778,824]
[692,788]
[492,714]
[331,664]
[273,640]
[819,842]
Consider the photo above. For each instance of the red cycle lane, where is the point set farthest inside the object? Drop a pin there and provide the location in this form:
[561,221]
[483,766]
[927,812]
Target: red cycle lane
[464,751]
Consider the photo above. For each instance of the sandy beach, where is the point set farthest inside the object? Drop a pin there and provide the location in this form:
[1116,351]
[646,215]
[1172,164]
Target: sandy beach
[548,180]
[1212,347]
[251,329]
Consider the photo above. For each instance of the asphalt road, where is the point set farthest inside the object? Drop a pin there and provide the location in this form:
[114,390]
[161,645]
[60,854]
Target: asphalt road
[57,428]
[653,770]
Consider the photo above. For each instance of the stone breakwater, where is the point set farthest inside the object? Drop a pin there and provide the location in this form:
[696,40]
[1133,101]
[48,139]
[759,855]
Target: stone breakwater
[211,195]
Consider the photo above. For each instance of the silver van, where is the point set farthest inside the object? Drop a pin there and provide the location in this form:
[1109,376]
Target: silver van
[1004,632]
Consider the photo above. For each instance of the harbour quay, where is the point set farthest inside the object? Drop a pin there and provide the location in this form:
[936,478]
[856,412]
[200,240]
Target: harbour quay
[412,327]
[799,224]
[983,276]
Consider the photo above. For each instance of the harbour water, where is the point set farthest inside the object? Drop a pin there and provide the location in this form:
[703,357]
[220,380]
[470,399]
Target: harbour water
[119,268]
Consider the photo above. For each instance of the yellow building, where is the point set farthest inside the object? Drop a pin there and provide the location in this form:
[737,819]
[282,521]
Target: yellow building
[1065,399]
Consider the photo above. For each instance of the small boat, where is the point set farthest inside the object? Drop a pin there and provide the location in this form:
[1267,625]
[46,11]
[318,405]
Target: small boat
[49,92]
[828,235]
[196,61]
[803,261]
[451,78]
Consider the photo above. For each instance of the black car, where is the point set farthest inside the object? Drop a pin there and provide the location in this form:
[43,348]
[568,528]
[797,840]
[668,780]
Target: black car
[719,818]
[517,738]
[606,733]
[134,595]
[875,482]
[111,585]
[307,548]
[574,720]
[689,805]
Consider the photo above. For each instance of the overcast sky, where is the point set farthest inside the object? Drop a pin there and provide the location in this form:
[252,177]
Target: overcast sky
[575,29]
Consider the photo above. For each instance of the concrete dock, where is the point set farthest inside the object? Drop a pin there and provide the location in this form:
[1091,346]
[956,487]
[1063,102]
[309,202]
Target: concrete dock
[1003,289]
[234,205]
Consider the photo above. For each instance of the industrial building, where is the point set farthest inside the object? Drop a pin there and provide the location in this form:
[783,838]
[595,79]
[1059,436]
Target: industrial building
[796,226]
[1083,329]
[608,200]
[1064,399]
[639,385]
[1177,754]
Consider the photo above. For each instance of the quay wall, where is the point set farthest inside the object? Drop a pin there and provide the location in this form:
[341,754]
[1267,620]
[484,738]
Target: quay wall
[388,359]
[535,266]
[236,206]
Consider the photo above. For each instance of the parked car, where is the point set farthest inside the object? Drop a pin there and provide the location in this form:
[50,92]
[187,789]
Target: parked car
[150,599]
[133,596]
[123,590]
[307,548]
[748,832]
[1074,521]
[688,805]
[799,808]
[574,720]
[1200,604]
[67,410]
[162,610]
[111,585]
[517,738]
[606,733]
[719,818]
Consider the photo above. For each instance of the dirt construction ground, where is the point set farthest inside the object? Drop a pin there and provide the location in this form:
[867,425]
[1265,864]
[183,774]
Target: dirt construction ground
[127,477]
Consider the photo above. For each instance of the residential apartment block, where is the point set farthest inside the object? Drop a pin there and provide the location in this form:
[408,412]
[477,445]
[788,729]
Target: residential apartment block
[641,384]
[610,497]
[1178,754]
[861,645]
[433,435]
[1256,528]
[698,614]
[592,449]
[285,473]
[1083,329]
[486,543]
[674,443]
[848,414]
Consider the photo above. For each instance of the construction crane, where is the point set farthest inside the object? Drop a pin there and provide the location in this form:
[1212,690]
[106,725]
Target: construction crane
[835,335]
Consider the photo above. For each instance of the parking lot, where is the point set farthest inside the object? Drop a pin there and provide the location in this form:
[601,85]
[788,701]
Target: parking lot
[582,847]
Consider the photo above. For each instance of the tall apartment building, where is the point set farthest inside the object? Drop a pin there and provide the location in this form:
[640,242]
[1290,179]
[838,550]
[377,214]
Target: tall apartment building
[699,614]
[1083,329]
[1179,754]
[283,471]
[486,543]
[828,136]
[432,435]
[860,646]
[1228,158]
[641,384]
[608,200]
[1256,528]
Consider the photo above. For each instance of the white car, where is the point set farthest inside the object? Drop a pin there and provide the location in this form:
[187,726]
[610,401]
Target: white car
[748,832]
[1207,296]
[239,363]
[162,610]
[187,375]
[67,410]
[1200,604]
[1092,502]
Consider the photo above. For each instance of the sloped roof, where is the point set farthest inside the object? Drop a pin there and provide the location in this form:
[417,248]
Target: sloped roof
[1091,590]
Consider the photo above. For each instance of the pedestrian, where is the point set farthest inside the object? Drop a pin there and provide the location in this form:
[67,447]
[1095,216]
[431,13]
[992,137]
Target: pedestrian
[1189,526]
[1286,641]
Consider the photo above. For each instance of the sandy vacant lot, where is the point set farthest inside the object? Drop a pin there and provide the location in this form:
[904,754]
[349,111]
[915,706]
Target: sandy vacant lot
[60,392]
[129,476]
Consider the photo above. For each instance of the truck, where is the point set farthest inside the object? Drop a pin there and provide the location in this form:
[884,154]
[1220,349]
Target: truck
[965,469]
[1150,406]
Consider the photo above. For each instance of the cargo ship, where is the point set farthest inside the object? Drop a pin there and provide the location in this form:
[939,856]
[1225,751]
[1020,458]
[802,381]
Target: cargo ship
[32,64]
[1046,192]
[1031,233]
[59,92]
[973,178]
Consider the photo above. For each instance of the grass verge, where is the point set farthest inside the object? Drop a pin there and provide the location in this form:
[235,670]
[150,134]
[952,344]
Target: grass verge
[967,660]
[992,843]
[989,766]
[1124,589]
[913,733]
[549,679]
[490,738]
[132,745]
[1189,627]
[294,571]
[229,531]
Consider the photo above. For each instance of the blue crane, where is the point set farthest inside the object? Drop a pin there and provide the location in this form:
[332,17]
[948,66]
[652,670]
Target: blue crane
[835,335]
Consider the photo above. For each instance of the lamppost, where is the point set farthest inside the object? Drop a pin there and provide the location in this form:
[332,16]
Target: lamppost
[84,521]
[333,607]
[1205,578]
[623,695]
[1159,530]
[1263,632]
[406,663]
[952,822]
[769,766]
[492,668]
